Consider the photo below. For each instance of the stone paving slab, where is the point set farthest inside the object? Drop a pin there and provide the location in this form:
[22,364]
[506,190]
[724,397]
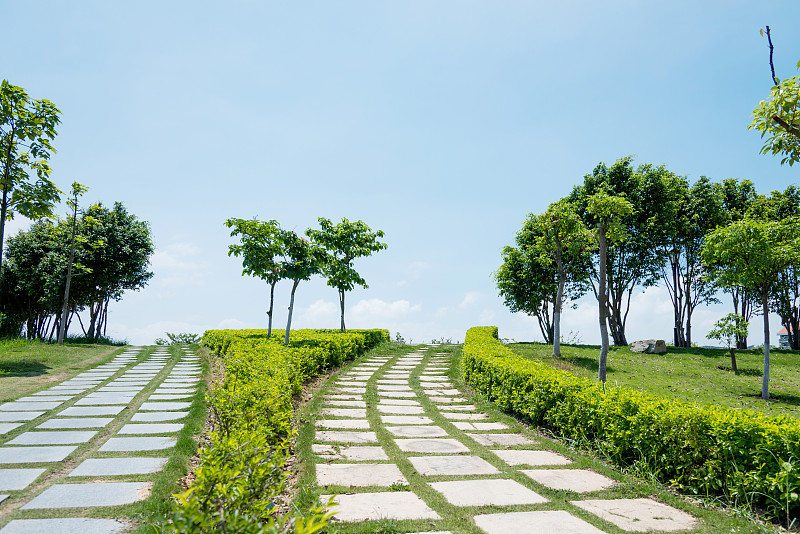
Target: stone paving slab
[91,411]
[502,492]
[349,390]
[452,465]
[398,402]
[150,428]
[406,420]
[346,403]
[447,400]
[19,416]
[577,480]
[17,479]
[42,398]
[34,455]
[162,406]
[400,410]
[354,453]
[432,445]
[152,417]
[466,425]
[353,424]
[138,444]
[99,467]
[359,475]
[15,406]
[89,495]
[464,416]
[339,436]
[417,431]
[386,505]
[104,401]
[5,428]
[510,440]
[343,397]
[639,515]
[345,412]
[546,522]
[529,457]
[66,525]
[397,394]
[45,437]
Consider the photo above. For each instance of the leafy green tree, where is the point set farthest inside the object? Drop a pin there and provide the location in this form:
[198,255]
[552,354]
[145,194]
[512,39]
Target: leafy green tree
[27,127]
[77,190]
[261,249]
[344,243]
[730,328]
[751,254]
[607,214]
[302,260]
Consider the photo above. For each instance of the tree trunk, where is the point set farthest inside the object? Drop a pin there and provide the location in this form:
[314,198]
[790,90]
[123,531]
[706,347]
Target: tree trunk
[62,329]
[341,305]
[765,378]
[94,309]
[269,313]
[291,307]
[688,328]
[602,303]
[105,317]
[4,205]
[557,314]
[733,360]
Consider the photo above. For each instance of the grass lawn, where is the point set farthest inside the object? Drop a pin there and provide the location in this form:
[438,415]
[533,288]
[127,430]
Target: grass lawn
[29,366]
[692,375]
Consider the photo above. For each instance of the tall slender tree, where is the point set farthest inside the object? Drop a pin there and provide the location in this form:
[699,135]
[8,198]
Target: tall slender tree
[302,260]
[77,190]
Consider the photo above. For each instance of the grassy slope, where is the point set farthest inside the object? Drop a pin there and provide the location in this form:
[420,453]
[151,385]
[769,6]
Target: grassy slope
[29,366]
[691,375]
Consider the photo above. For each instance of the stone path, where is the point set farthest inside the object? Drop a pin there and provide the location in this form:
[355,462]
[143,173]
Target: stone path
[449,454]
[95,440]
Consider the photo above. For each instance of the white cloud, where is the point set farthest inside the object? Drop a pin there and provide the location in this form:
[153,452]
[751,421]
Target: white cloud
[236,324]
[470,298]
[147,334]
[176,266]
[319,314]
[377,309]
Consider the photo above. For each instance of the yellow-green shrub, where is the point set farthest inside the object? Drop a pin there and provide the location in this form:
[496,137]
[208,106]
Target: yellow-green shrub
[744,456]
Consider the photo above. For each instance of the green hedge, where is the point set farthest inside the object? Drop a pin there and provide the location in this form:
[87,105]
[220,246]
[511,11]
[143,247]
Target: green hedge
[743,456]
[241,467]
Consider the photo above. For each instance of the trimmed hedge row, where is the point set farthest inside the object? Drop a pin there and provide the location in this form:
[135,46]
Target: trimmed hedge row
[743,456]
[241,467]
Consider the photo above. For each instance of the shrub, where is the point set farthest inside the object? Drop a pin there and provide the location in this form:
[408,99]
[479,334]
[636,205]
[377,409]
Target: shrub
[744,456]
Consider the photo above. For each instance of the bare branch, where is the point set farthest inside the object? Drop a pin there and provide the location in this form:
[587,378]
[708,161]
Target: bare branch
[771,65]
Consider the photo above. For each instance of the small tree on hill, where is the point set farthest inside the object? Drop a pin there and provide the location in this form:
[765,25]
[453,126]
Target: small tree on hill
[302,260]
[729,328]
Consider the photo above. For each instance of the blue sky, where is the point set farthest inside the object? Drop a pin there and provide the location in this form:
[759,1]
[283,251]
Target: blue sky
[442,123]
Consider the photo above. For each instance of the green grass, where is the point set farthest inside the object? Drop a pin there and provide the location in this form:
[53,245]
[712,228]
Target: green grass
[29,366]
[693,375]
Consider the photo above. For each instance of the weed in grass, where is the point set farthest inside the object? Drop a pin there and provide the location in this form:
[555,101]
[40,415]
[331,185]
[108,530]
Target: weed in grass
[399,486]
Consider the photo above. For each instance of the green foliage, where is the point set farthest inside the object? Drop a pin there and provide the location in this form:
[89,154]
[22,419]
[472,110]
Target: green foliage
[183,338]
[743,456]
[778,120]
[729,328]
[260,248]
[242,467]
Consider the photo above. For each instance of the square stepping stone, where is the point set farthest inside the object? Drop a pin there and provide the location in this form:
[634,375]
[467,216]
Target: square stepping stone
[43,398]
[511,440]
[460,408]
[444,392]
[34,455]
[354,453]
[153,417]
[397,394]
[100,467]
[19,416]
[63,390]
[385,387]
[104,401]
[345,412]
[639,515]
[447,400]
[501,492]
[432,445]
[150,428]
[353,424]
[398,402]
[169,397]
[465,425]
[393,381]
[417,431]
[89,495]
[346,403]
[462,416]
[577,480]
[65,437]
[90,411]
[80,422]
[163,406]
[348,390]
[17,406]
[452,465]
[17,479]
[359,475]
[5,428]
[138,444]
[394,409]
[548,522]
[385,505]
[529,457]
[351,396]
[339,436]
[406,420]
[64,525]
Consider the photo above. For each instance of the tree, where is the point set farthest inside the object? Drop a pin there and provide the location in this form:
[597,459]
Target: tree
[751,254]
[345,242]
[302,260]
[77,189]
[730,328]
[26,129]
[261,249]
[607,213]
[778,117]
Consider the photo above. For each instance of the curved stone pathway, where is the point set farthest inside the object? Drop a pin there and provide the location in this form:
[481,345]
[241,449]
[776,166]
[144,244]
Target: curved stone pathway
[404,407]
[93,441]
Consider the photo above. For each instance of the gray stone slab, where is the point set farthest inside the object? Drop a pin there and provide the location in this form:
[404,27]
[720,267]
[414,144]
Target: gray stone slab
[154,417]
[385,505]
[502,492]
[359,475]
[100,467]
[639,515]
[175,391]
[90,495]
[345,412]
[103,394]
[164,406]
[353,453]
[340,436]
[150,428]
[45,398]
[346,403]
[62,391]
[400,410]
[104,401]
[417,431]
[16,406]
[460,408]
[546,522]
[5,428]
[447,400]
[464,416]
[17,479]
[348,390]
[529,457]
[90,411]
[169,397]
[392,381]
[35,455]
[354,424]
[385,387]
[466,425]
[452,465]
[64,525]
[345,396]
[510,440]
[432,445]
[79,422]
[64,437]
[399,402]
[138,444]
[577,480]
[406,420]
[397,394]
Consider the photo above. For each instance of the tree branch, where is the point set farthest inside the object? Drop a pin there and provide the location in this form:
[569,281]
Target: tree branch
[790,128]
[771,65]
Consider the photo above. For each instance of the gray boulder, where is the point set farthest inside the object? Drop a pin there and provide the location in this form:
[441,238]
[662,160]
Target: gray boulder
[649,346]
